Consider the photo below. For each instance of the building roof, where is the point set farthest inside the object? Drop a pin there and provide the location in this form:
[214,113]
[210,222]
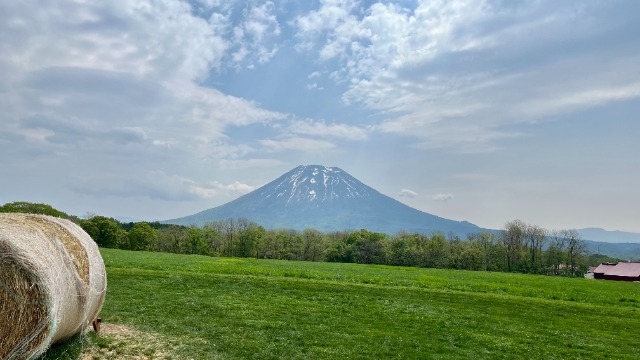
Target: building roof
[630,269]
[604,268]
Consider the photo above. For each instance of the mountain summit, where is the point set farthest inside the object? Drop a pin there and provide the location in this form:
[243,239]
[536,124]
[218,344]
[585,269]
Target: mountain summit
[313,185]
[326,199]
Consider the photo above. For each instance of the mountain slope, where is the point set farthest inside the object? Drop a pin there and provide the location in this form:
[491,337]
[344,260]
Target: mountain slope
[624,251]
[326,199]
[602,235]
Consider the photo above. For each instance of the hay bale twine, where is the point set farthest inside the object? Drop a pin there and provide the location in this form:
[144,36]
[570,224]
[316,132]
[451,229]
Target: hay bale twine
[52,283]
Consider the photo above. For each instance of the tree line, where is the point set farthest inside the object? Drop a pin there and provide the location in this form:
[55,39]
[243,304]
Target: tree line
[518,247]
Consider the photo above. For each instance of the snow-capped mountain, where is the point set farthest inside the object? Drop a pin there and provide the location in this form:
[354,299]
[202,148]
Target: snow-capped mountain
[314,185]
[326,199]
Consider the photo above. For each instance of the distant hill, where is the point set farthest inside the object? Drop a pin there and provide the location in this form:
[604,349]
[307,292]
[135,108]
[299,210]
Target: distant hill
[624,251]
[619,244]
[602,235]
[326,199]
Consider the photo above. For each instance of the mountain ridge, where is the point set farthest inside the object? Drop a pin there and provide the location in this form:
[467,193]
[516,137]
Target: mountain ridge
[609,236]
[326,199]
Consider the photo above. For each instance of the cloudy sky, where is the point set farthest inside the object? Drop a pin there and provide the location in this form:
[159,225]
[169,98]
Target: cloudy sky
[485,111]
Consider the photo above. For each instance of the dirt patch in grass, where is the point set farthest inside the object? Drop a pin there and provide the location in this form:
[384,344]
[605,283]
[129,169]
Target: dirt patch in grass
[123,342]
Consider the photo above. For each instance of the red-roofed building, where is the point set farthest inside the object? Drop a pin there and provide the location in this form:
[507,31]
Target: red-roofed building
[623,271]
[598,273]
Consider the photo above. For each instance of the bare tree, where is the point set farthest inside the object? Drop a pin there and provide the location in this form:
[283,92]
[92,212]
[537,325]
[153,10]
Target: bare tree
[556,252]
[512,238]
[215,234]
[576,250]
[229,231]
[535,238]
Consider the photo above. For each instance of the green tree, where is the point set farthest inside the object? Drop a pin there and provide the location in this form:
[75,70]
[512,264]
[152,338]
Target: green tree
[436,252]
[104,231]
[456,249]
[142,237]
[269,247]
[597,259]
[249,238]
[342,247]
[471,257]
[213,240]
[172,239]
[490,250]
[292,244]
[313,245]
[419,249]
[32,208]
[215,237]
[399,253]
[196,243]
[369,247]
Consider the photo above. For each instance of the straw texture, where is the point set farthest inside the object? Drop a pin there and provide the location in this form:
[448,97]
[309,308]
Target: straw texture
[52,283]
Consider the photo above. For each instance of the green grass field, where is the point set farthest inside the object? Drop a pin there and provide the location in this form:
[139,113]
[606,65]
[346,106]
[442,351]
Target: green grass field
[195,307]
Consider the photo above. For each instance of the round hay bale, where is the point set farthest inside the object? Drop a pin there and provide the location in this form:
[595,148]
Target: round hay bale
[52,283]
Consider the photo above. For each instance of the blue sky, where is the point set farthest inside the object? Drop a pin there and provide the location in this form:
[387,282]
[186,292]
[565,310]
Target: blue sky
[485,111]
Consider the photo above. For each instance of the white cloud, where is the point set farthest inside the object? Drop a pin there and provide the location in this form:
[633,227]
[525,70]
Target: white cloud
[442,197]
[385,35]
[321,129]
[123,71]
[253,164]
[116,95]
[300,144]
[235,187]
[314,86]
[609,85]
[407,193]
[331,15]
[457,74]
[255,35]
[209,4]
[158,185]
[312,136]
[212,189]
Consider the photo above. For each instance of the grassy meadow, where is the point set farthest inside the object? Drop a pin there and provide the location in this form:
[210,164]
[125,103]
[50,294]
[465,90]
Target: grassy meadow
[170,306]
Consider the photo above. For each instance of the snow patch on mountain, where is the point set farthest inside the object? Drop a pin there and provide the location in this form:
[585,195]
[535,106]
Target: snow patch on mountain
[311,183]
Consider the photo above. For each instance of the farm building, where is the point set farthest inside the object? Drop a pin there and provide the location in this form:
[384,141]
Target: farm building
[623,271]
